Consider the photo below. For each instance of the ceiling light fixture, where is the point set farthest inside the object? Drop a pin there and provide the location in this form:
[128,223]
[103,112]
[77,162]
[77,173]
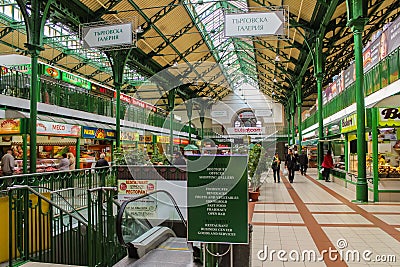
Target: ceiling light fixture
[139,29]
[275,80]
[175,64]
[277,58]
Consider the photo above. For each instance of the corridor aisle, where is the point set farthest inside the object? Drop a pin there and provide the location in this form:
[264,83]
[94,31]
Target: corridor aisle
[309,216]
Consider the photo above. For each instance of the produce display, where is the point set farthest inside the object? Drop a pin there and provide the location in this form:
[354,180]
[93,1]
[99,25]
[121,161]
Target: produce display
[387,171]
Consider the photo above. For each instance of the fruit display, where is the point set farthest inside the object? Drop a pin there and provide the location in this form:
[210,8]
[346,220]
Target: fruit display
[386,171]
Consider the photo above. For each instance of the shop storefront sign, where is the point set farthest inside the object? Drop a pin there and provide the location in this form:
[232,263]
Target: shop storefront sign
[10,126]
[75,80]
[184,141]
[129,136]
[333,129]
[349,124]
[177,141]
[389,117]
[145,207]
[102,90]
[57,129]
[146,139]
[216,191]
[163,139]
[245,130]
[97,133]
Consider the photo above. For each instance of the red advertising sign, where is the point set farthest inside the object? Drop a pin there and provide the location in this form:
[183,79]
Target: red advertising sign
[57,129]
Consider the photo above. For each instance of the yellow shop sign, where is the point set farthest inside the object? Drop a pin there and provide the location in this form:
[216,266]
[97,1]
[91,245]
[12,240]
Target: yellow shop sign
[349,124]
[389,117]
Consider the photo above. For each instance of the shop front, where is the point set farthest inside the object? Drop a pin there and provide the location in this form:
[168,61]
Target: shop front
[53,140]
[95,141]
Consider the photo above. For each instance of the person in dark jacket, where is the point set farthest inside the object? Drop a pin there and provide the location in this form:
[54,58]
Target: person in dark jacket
[290,165]
[102,162]
[276,167]
[303,160]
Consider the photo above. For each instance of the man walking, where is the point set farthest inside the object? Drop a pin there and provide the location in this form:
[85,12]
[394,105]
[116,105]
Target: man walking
[303,160]
[290,165]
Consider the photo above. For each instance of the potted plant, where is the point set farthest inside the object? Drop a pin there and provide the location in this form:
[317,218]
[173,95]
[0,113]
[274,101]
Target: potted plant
[254,173]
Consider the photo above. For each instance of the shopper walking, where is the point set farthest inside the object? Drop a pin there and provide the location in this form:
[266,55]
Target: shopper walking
[290,165]
[178,159]
[327,164]
[276,166]
[303,160]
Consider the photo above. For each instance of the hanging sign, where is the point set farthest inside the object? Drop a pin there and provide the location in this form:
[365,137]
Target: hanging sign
[97,133]
[389,117]
[10,126]
[254,24]
[57,129]
[107,35]
[217,190]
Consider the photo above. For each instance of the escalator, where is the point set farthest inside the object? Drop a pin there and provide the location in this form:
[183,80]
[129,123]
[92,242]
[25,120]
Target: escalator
[153,230]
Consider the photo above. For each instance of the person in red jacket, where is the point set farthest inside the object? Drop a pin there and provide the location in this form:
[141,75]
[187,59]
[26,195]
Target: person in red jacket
[327,164]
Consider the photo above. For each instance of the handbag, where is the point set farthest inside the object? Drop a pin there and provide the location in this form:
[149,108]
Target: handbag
[297,167]
[285,172]
[321,170]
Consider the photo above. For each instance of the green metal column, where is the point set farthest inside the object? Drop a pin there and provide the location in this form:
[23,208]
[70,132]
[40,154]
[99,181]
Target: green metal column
[189,112]
[346,152]
[319,77]
[78,153]
[299,116]
[288,124]
[375,152]
[293,120]
[171,105]
[25,154]
[357,22]
[34,21]
[118,60]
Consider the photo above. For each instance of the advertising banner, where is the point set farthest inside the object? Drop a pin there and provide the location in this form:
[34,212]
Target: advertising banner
[97,133]
[75,80]
[349,124]
[392,36]
[52,72]
[10,126]
[216,194]
[57,129]
[102,90]
[163,139]
[143,208]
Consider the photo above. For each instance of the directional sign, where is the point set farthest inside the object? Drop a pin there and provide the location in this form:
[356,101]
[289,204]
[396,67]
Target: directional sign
[254,24]
[108,35]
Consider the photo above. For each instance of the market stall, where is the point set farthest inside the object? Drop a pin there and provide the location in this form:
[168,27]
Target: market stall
[95,141]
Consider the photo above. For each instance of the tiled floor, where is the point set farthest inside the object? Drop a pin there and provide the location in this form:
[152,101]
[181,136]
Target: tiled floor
[294,223]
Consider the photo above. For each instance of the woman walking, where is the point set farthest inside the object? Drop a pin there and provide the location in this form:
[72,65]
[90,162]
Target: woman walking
[276,166]
[327,164]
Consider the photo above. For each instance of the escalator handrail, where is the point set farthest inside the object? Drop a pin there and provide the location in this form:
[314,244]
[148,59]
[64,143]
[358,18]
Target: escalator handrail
[57,193]
[125,203]
[48,201]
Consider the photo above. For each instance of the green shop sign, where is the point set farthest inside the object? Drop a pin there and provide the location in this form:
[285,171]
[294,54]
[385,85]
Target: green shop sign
[217,197]
[75,80]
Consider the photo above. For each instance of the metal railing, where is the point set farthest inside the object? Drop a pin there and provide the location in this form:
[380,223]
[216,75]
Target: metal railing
[43,231]
[17,84]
